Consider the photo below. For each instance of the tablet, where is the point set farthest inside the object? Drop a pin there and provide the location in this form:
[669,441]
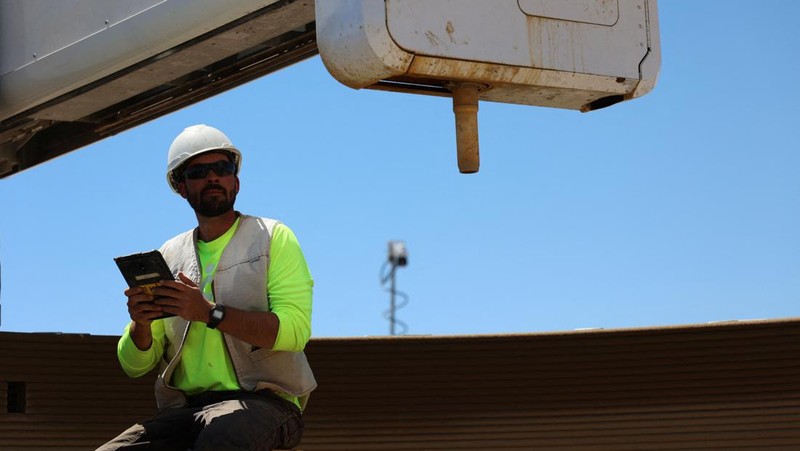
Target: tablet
[145,269]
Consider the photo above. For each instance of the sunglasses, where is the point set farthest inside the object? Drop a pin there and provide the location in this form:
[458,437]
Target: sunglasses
[200,171]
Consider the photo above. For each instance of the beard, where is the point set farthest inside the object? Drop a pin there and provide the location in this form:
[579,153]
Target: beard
[211,206]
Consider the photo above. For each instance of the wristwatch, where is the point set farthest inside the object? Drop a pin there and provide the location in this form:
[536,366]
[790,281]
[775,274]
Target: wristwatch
[215,315]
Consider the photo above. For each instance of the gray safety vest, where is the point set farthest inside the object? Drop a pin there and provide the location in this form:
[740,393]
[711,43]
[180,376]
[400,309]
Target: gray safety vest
[239,282]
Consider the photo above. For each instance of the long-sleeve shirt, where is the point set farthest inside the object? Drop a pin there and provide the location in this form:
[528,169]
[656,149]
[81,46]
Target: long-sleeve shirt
[205,365]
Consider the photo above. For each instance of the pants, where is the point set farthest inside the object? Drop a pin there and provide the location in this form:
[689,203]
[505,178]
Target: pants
[218,421]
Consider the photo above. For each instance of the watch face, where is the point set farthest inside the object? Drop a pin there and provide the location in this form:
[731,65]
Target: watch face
[217,313]
[215,316]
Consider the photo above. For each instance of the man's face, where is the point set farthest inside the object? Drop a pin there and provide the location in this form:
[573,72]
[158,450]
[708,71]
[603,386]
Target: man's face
[213,194]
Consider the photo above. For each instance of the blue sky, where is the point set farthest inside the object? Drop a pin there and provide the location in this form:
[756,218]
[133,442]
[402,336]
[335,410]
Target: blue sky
[680,207]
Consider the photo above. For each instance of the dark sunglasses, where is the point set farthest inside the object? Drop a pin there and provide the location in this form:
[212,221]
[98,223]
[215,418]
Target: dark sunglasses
[200,171]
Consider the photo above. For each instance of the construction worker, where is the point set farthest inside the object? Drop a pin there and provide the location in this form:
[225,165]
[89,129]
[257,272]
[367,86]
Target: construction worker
[232,372]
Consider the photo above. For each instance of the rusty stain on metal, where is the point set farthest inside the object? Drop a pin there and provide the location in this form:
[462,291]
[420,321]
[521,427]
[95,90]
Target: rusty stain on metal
[552,88]
[450,29]
[433,39]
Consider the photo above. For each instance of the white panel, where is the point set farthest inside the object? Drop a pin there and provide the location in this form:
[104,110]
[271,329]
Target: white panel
[486,30]
[497,31]
[78,47]
[66,22]
[600,12]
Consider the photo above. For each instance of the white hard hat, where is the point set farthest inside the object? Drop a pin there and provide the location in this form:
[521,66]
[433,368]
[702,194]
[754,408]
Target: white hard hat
[194,141]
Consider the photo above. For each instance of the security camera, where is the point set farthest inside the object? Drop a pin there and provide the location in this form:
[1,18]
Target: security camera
[398,255]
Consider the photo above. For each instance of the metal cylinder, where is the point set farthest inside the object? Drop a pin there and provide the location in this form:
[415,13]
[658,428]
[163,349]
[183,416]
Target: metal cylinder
[465,107]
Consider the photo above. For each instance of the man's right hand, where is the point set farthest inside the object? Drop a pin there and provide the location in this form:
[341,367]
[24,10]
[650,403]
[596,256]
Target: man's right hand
[141,306]
[142,310]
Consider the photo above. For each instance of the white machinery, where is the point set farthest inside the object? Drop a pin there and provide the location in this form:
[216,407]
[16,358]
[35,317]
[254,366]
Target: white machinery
[574,54]
[74,72]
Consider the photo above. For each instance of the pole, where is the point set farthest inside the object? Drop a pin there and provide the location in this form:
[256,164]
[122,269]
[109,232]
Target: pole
[391,303]
[465,107]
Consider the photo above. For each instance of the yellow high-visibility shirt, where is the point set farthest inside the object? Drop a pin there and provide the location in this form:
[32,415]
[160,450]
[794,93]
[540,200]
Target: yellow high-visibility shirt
[205,364]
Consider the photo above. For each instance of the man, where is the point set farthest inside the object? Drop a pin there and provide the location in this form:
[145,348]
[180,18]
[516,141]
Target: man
[232,373]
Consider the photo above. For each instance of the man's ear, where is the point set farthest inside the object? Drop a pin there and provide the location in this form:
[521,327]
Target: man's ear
[236,185]
[182,190]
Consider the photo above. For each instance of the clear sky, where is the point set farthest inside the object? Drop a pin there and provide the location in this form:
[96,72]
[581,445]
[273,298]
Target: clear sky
[680,207]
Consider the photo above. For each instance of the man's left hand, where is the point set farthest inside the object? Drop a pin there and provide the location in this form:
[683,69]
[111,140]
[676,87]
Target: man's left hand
[183,298]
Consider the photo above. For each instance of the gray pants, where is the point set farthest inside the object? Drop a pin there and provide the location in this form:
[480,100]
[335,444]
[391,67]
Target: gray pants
[218,421]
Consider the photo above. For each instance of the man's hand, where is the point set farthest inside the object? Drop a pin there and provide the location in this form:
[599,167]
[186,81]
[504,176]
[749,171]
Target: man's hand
[141,307]
[143,310]
[182,298]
